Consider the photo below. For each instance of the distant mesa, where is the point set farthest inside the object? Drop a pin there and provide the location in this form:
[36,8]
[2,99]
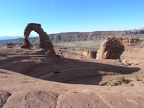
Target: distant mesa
[86,36]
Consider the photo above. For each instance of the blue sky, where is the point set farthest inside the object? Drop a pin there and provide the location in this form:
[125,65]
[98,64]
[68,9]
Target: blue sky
[70,15]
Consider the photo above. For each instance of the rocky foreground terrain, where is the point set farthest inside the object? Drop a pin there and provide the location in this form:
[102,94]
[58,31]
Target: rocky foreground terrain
[30,79]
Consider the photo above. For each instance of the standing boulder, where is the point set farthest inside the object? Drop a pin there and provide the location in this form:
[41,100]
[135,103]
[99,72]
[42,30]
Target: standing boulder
[111,48]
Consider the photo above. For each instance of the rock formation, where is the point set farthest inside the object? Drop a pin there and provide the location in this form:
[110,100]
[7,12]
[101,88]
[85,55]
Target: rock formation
[89,54]
[130,41]
[111,48]
[32,99]
[3,97]
[45,42]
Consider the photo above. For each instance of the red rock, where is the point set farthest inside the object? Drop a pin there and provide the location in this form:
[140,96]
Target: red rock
[3,97]
[45,42]
[111,48]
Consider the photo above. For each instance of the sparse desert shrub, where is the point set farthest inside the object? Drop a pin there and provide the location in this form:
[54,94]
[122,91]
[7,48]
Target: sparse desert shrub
[117,82]
[122,79]
[113,83]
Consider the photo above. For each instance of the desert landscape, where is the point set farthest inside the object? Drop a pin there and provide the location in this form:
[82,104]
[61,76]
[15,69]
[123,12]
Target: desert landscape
[94,70]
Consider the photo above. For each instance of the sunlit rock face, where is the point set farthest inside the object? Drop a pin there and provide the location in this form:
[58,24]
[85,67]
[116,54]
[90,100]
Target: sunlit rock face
[111,48]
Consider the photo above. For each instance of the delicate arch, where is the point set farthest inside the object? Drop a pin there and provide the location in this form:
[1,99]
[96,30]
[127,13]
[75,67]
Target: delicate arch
[45,42]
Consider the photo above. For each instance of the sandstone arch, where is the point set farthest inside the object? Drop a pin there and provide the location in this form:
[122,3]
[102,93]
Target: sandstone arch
[45,42]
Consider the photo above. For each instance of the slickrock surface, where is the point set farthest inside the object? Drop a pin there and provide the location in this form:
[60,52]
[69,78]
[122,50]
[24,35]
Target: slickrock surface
[30,80]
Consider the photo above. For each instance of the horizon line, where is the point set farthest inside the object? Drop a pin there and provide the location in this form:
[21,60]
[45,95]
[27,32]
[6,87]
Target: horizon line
[142,28]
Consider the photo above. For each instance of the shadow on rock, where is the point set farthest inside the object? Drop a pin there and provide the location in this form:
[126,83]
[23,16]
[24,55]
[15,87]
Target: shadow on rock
[63,70]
